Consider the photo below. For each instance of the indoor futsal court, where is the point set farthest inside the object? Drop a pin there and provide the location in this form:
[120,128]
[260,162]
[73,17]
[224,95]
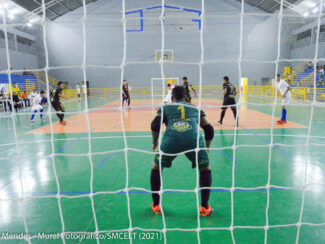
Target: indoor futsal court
[96,96]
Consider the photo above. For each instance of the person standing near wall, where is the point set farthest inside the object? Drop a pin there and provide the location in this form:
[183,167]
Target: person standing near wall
[15,97]
[84,88]
[25,99]
[3,100]
[78,91]
[126,93]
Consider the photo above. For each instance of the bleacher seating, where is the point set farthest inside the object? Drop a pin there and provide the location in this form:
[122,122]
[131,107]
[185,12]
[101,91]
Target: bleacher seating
[4,78]
[23,81]
[301,76]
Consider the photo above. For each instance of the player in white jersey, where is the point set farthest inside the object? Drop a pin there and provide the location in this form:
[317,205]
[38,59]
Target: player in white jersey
[78,90]
[38,102]
[168,97]
[31,96]
[284,89]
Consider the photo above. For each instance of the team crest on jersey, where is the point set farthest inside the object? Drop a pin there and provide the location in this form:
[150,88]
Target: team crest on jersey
[181,126]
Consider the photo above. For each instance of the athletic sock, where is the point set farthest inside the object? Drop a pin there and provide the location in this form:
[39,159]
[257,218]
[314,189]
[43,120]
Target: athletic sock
[155,185]
[284,114]
[234,111]
[223,112]
[35,111]
[205,181]
[60,116]
[41,111]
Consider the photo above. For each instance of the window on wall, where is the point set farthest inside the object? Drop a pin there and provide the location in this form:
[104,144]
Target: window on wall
[322,28]
[304,35]
[26,45]
[11,40]
[24,41]
[322,33]
[2,39]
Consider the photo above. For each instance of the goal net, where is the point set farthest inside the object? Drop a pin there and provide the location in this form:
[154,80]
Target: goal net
[109,43]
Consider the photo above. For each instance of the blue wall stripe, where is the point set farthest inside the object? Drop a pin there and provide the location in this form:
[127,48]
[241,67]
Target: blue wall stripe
[199,22]
[133,12]
[167,6]
[141,20]
[192,10]
[151,8]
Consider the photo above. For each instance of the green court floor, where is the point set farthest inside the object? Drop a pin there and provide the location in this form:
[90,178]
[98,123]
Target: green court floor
[292,164]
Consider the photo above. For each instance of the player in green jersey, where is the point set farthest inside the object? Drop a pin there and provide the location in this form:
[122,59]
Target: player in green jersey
[181,120]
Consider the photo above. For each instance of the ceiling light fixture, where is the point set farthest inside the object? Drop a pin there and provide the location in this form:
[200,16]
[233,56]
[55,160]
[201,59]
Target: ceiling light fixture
[315,10]
[35,19]
[16,10]
[310,4]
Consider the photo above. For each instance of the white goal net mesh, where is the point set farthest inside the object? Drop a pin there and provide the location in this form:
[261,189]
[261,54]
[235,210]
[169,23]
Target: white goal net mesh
[170,21]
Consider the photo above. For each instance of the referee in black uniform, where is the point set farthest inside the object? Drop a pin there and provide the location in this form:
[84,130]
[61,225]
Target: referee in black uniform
[229,92]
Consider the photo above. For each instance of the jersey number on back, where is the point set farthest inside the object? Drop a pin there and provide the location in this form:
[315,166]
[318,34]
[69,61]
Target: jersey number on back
[182,111]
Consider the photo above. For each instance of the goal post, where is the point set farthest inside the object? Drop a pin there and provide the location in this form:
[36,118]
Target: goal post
[158,87]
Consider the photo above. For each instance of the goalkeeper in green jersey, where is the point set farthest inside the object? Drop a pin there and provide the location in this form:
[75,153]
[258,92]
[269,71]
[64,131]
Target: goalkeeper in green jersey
[181,120]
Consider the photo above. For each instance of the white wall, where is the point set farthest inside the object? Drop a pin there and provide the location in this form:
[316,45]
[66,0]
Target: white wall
[105,45]
[18,60]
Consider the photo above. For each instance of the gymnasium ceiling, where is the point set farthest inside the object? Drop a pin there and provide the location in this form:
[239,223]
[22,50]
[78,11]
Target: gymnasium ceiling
[271,6]
[54,8]
[57,8]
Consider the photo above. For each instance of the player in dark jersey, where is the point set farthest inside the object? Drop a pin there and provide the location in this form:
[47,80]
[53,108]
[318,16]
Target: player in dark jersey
[56,103]
[188,88]
[181,120]
[125,93]
[229,92]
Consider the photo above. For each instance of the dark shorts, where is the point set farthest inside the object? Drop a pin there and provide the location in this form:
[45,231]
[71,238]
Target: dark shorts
[58,106]
[166,161]
[227,101]
[15,98]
